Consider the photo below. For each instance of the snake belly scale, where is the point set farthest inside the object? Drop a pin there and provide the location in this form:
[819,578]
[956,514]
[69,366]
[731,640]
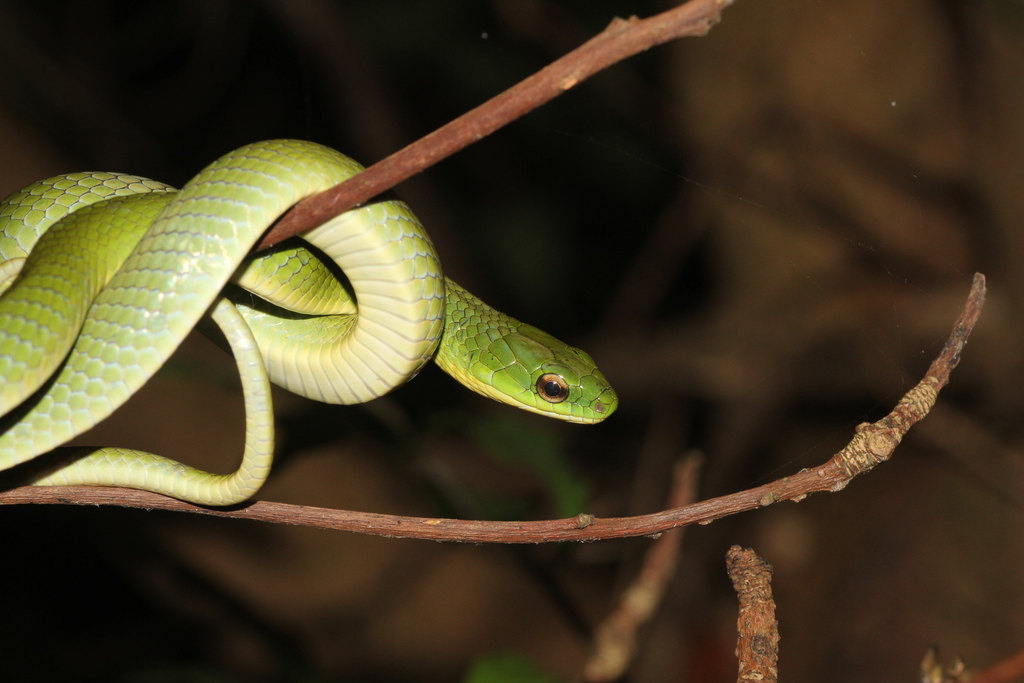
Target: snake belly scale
[106,274]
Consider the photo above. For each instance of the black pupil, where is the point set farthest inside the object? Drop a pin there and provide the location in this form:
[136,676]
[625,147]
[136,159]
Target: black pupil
[552,388]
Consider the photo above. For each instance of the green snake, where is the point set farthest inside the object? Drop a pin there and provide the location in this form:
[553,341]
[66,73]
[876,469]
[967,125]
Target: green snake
[106,274]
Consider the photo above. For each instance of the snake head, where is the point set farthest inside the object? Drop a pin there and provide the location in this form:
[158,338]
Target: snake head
[563,382]
[518,364]
[529,369]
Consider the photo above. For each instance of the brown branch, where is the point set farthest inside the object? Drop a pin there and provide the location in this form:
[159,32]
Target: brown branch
[1009,670]
[623,38]
[615,638]
[757,642]
[872,444]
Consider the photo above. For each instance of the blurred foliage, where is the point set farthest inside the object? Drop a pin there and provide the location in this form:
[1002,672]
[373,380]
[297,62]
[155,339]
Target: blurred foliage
[506,668]
[513,441]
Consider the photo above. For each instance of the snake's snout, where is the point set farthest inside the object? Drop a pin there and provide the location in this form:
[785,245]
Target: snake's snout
[607,400]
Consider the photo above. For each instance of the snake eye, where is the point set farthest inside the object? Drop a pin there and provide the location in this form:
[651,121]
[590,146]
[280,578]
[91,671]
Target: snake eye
[552,388]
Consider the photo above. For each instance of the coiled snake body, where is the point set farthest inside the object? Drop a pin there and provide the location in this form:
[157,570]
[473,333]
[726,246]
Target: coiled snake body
[106,274]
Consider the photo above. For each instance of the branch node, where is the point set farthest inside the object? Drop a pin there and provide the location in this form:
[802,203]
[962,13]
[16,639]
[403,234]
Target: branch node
[583,520]
[619,24]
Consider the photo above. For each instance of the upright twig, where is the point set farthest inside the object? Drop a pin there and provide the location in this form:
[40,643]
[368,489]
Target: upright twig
[616,637]
[757,641]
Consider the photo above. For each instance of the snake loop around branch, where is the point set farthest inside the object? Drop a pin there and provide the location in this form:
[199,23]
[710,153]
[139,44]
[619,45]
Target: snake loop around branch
[106,274]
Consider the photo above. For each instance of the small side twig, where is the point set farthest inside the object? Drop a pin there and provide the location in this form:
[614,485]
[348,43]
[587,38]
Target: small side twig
[622,39]
[757,643]
[615,638]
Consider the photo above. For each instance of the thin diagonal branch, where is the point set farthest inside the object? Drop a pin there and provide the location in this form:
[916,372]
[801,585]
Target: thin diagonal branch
[623,38]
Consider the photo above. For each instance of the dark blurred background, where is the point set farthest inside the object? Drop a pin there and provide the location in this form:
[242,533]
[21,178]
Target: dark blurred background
[763,236]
